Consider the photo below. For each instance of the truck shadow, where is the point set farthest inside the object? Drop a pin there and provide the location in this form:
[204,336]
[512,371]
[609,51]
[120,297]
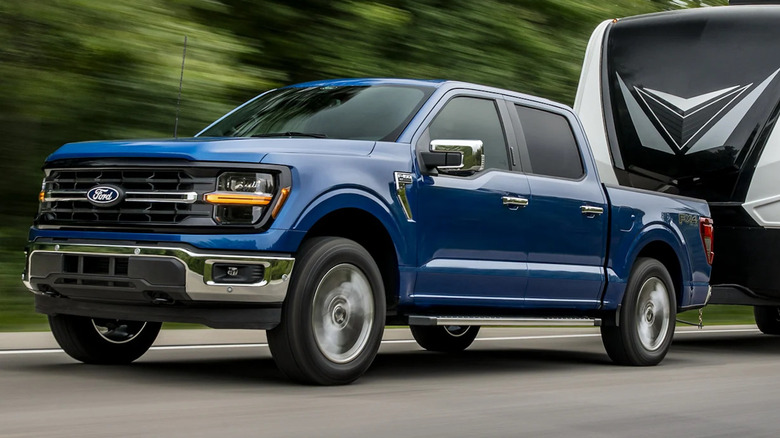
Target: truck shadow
[226,372]
[256,367]
[425,364]
[748,343]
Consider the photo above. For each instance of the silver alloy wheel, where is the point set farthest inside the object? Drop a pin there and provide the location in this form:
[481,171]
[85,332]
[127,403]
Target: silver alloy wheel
[342,313]
[118,331]
[456,331]
[653,310]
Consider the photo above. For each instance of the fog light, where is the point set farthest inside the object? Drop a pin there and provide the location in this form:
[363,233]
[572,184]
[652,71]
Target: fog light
[226,273]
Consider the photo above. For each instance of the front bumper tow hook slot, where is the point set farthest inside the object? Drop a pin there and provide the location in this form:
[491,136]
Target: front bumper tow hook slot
[162,300]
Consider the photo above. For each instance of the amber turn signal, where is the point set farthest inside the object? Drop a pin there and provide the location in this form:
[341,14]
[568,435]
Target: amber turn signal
[232,198]
[285,192]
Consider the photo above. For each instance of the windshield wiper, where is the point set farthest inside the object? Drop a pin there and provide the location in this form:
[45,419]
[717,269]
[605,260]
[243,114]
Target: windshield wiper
[290,134]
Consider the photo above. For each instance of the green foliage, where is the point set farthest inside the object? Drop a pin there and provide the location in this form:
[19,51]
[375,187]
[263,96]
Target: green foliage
[74,70]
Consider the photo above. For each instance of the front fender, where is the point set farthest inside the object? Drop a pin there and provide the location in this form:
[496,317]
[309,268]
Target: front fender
[368,202]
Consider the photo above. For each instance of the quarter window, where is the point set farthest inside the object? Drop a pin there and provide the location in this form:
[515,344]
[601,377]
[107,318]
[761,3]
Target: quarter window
[552,149]
[471,118]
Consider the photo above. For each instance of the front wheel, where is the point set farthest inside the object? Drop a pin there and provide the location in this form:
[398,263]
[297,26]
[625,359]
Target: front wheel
[446,338]
[103,341]
[333,316]
[646,317]
[767,319]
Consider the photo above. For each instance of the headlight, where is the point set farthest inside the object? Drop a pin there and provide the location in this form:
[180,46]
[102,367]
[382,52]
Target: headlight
[241,198]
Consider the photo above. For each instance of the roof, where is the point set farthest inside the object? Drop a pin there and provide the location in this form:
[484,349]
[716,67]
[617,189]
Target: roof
[442,84]
[369,81]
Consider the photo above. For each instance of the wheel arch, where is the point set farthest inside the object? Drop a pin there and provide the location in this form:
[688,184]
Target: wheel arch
[365,220]
[663,244]
[664,253]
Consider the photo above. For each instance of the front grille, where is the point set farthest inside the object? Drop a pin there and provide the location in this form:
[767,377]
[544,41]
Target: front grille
[151,197]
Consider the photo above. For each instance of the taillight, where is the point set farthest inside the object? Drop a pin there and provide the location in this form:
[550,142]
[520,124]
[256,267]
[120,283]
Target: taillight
[707,237]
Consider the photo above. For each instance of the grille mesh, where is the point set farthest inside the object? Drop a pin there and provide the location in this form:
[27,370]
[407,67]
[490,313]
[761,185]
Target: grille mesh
[67,203]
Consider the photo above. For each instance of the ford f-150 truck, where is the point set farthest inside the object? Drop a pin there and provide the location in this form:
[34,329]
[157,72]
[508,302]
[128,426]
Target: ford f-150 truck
[323,211]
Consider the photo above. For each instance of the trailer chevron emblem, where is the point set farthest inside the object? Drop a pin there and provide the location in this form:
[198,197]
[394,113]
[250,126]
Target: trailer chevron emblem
[682,119]
[681,125]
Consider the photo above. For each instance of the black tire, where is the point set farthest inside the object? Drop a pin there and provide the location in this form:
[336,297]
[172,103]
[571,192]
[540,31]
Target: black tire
[767,319]
[103,341]
[446,339]
[647,317]
[333,316]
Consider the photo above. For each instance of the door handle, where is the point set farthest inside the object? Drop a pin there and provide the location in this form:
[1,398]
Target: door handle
[514,201]
[590,210]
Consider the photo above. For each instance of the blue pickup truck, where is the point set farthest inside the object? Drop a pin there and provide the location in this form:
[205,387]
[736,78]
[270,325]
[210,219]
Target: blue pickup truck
[323,211]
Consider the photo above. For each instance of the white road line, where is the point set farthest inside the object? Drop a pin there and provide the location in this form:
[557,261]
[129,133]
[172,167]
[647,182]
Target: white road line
[206,346]
[44,351]
[389,341]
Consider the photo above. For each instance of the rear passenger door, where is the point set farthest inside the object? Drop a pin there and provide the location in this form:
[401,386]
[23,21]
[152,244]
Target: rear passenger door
[567,210]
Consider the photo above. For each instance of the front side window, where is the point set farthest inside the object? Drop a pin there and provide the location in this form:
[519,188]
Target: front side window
[552,149]
[378,112]
[471,118]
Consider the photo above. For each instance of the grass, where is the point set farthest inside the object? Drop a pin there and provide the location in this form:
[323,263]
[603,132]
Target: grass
[16,303]
[720,315]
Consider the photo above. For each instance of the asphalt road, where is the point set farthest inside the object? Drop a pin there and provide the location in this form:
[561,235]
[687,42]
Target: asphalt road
[720,382]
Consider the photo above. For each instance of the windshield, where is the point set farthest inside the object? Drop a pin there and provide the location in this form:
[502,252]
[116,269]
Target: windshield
[378,112]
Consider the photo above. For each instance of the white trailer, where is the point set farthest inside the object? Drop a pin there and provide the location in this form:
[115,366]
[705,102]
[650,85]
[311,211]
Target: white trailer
[687,102]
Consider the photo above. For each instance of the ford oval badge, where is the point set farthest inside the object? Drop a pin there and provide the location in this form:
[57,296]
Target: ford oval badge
[104,196]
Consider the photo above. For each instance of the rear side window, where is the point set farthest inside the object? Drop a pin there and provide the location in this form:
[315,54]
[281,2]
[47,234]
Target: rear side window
[552,150]
[471,118]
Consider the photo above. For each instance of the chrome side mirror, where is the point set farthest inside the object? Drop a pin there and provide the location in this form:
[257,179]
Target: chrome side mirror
[469,157]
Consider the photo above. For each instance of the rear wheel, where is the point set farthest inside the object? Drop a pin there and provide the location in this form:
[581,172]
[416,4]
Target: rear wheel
[646,317]
[333,316]
[103,341]
[767,319]
[446,338]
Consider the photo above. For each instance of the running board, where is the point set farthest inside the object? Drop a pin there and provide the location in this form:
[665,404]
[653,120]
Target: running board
[503,321]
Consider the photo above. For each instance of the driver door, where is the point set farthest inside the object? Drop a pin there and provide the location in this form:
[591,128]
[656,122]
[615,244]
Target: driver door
[473,227]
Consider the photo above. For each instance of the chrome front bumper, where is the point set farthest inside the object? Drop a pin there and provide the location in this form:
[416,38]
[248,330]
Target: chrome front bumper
[199,284]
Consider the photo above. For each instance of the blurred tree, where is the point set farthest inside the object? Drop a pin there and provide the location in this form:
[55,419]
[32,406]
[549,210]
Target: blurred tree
[73,70]
[530,46]
[80,70]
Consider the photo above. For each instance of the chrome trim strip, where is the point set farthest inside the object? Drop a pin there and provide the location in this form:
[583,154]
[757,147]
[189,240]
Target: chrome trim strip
[199,283]
[186,197]
[589,209]
[494,298]
[81,195]
[502,321]
[403,179]
[514,201]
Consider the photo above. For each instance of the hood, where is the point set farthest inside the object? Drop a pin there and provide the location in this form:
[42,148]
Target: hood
[243,150]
